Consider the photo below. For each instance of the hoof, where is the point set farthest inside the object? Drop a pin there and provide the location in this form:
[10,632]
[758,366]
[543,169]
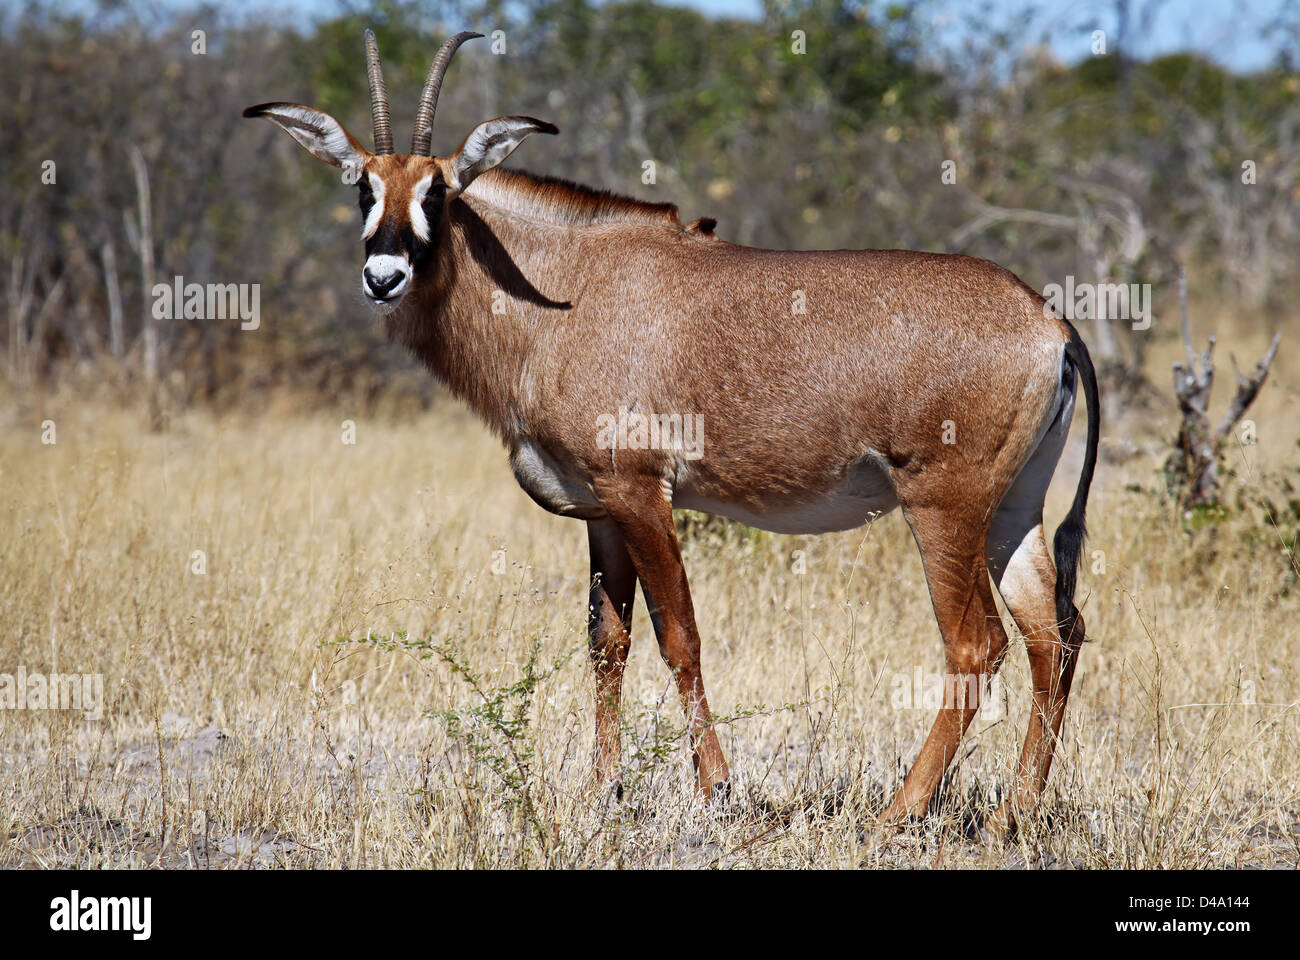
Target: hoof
[1000,825]
[602,789]
[884,839]
[891,823]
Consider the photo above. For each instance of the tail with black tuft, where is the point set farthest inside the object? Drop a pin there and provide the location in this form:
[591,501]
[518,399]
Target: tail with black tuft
[1067,545]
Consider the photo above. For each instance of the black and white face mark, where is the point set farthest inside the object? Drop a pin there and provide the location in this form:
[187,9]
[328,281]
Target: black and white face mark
[397,240]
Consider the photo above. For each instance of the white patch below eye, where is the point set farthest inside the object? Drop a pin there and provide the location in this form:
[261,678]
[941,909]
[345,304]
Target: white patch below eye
[377,211]
[419,222]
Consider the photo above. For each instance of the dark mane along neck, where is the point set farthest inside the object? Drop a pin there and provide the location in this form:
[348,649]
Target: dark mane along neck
[501,272]
[565,203]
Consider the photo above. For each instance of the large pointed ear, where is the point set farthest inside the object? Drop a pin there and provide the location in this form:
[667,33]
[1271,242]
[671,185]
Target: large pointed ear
[489,143]
[319,133]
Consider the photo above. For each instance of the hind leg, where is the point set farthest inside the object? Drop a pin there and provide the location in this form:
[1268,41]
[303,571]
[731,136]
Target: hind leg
[1027,583]
[1022,568]
[973,641]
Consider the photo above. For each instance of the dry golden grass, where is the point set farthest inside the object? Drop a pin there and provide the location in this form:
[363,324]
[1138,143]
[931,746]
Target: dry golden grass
[239,730]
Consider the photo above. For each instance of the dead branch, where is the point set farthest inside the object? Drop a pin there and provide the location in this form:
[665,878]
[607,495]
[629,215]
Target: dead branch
[1247,389]
[990,215]
[1195,461]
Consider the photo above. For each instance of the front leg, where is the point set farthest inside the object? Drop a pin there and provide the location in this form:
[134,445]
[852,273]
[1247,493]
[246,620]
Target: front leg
[645,520]
[609,626]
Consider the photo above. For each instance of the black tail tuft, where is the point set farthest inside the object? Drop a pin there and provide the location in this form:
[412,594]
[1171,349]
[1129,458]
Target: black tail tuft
[1067,545]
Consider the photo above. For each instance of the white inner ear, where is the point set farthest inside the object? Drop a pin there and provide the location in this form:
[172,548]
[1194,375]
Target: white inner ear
[487,145]
[419,222]
[330,143]
[377,211]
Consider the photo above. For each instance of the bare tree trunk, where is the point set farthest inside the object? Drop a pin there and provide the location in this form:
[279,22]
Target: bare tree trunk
[1195,461]
[16,309]
[146,280]
[23,282]
[40,360]
[108,258]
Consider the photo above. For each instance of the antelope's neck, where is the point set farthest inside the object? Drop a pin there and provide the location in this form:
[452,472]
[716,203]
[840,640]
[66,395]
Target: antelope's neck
[474,320]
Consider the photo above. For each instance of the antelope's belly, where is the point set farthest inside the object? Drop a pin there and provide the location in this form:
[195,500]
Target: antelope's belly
[858,494]
[862,493]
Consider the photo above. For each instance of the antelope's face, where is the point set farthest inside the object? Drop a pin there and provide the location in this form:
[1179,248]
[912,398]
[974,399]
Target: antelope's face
[402,201]
[403,197]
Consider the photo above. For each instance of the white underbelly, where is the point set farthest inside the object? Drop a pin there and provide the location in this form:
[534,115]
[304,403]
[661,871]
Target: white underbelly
[821,516]
[864,494]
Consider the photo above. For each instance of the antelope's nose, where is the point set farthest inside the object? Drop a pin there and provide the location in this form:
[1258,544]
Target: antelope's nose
[385,277]
[381,287]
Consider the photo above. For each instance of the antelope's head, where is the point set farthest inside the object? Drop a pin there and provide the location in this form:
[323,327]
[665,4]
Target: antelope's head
[403,197]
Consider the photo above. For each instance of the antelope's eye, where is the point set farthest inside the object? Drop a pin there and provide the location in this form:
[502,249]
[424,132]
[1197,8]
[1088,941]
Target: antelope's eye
[435,195]
[366,195]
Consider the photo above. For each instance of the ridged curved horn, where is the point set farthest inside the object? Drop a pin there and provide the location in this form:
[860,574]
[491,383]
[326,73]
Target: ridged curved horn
[422,141]
[378,97]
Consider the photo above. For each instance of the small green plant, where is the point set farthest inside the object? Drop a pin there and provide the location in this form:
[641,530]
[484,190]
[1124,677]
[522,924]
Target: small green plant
[495,730]
[715,532]
[656,743]
[1203,515]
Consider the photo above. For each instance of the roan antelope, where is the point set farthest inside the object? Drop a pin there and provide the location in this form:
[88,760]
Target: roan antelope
[833,386]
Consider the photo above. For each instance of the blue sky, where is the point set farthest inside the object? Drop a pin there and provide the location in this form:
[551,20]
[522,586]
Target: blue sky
[1230,32]
[1234,33]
